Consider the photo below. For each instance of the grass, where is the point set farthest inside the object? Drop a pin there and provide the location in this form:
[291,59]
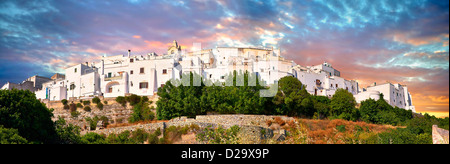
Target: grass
[308,131]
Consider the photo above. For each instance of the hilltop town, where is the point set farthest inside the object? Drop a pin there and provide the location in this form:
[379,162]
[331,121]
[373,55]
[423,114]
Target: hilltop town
[143,74]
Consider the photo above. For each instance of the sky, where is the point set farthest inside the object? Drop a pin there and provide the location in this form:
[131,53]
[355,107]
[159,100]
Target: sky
[397,41]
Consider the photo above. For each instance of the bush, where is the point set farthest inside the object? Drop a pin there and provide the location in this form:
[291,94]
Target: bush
[66,106]
[75,114]
[87,102]
[100,106]
[72,107]
[133,99]
[105,102]
[87,108]
[121,100]
[11,136]
[64,101]
[79,105]
[96,100]
[219,135]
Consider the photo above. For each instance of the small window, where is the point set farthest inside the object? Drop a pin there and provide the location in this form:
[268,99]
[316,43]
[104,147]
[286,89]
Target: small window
[142,70]
[75,70]
[131,60]
[131,83]
[222,77]
[164,71]
[336,85]
[143,85]
[131,72]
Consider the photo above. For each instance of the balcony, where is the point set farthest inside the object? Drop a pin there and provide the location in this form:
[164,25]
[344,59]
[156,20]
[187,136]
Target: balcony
[112,78]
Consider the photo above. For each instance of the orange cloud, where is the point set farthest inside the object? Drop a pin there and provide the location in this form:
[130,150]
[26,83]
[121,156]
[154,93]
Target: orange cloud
[413,38]
[137,36]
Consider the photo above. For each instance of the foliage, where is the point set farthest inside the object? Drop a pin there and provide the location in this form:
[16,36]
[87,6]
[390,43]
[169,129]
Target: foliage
[290,96]
[79,105]
[381,112]
[177,100]
[96,100]
[121,100]
[87,108]
[11,136]
[67,133]
[19,109]
[133,99]
[141,110]
[64,101]
[100,106]
[86,102]
[92,122]
[342,105]
[219,135]
[75,114]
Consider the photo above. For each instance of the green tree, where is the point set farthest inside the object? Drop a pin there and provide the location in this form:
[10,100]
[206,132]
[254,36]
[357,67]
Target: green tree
[19,109]
[11,136]
[290,95]
[67,133]
[343,104]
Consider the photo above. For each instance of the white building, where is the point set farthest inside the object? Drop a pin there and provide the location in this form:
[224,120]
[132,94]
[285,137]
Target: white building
[394,94]
[32,83]
[121,75]
[324,80]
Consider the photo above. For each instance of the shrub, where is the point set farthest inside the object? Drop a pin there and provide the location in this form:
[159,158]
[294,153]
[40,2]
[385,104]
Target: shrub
[75,114]
[105,121]
[87,108]
[66,106]
[72,107]
[105,102]
[64,101]
[87,102]
[79,105]
[121,100]
[100,106]
[219,135]
[133,99]
[96,100]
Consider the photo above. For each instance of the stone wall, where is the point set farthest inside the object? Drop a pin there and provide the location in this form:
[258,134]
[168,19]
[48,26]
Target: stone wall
[253,127]
[114,111]
[440,136]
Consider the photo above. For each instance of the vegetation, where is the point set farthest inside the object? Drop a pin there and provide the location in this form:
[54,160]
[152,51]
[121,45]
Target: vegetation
[219,135]
[19,109]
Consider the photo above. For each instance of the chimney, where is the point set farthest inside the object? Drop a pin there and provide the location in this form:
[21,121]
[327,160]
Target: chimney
[129,53]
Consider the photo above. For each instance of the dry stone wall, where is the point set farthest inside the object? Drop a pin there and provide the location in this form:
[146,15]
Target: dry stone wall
[440,136]
[253,127]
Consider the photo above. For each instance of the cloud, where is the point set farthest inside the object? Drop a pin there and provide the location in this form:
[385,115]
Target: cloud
[399,41]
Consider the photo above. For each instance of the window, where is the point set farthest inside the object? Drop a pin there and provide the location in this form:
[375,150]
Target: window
[210,75]
[109,74]
[331,85]
[143,85]
[141,70]
[110,89]
[164,71]
[336,85]
[75,70]
[131,83]
[222,77]
[131,72]
[131,60]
